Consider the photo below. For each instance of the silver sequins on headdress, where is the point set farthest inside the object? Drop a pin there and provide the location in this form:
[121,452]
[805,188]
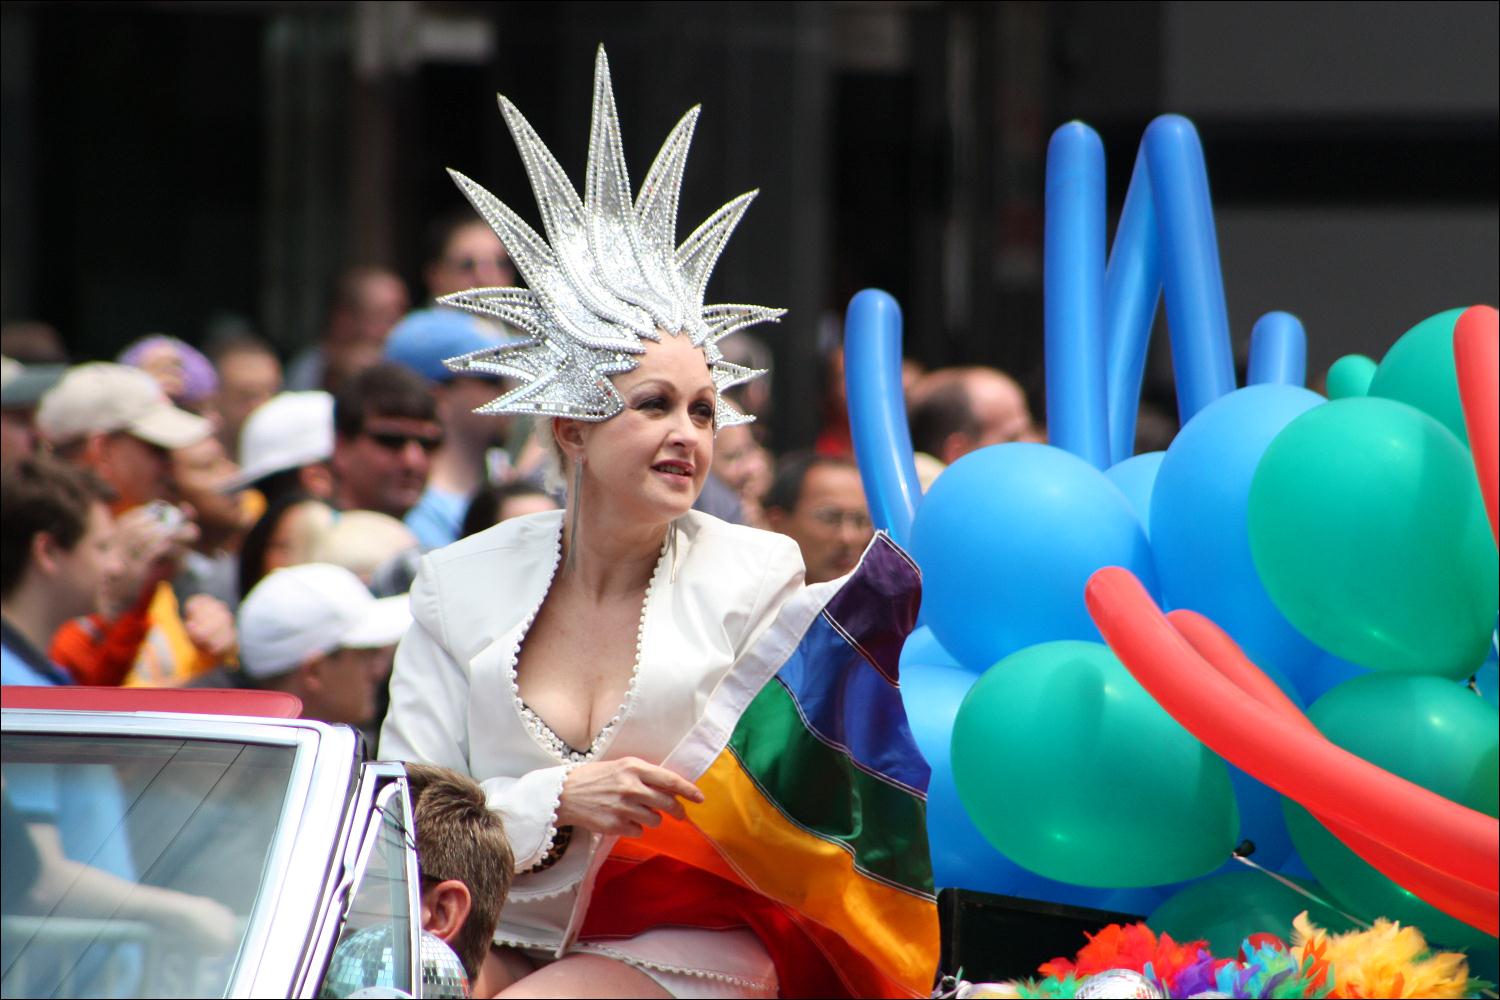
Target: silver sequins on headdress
[607,277]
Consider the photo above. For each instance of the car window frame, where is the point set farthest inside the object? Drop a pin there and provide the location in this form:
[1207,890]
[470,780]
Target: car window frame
[295,890]
[376,780]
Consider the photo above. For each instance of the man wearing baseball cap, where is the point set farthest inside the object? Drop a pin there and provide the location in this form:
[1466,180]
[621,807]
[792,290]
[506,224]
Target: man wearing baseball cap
[117,422]
[315,631]
[421,342]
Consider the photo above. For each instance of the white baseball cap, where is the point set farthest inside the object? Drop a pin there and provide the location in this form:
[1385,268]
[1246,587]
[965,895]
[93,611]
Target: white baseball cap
[287,431]
[310,610]
[103,398]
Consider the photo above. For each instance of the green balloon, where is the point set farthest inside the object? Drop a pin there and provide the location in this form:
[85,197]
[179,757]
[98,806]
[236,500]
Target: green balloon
[1419,370]
[1369,534]
[1073,771]
[1350,376]
[1430,731]
[1226,909]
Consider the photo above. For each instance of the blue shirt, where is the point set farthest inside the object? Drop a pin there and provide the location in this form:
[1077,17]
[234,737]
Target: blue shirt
[22,663]
[438,517]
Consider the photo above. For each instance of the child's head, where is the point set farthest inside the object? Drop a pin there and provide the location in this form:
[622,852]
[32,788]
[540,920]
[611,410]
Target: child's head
[465,860]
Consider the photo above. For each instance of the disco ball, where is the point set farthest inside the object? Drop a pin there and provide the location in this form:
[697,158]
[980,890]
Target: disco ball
[364,964]
[1124,983]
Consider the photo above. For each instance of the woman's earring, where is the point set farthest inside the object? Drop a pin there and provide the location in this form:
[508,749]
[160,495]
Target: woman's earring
[573,514]
[672,556]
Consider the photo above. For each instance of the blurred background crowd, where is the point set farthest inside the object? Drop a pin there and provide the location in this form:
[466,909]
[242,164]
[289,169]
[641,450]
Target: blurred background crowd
[226,226]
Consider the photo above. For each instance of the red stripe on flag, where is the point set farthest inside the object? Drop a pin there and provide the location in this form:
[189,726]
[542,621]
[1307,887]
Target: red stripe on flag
[673,876]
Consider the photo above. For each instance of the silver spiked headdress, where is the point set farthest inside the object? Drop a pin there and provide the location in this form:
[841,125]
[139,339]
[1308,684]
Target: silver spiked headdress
[608,276]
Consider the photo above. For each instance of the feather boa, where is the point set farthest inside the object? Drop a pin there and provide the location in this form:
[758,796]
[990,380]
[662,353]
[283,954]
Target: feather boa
[1385,961]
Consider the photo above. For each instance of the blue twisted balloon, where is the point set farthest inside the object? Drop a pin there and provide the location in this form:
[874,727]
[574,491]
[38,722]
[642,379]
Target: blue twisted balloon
[877,412]
[1132,288]
[1278,351]
[1073,294]
[1197,318]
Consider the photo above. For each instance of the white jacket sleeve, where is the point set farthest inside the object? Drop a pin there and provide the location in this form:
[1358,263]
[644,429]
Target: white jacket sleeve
[428,722]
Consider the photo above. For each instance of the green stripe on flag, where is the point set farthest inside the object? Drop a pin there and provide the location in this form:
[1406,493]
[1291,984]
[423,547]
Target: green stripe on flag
[821,790]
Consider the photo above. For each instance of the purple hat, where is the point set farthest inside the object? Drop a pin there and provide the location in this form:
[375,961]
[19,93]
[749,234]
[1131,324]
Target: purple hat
[199,380]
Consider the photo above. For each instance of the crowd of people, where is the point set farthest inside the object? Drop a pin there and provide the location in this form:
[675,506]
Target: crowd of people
[150,500]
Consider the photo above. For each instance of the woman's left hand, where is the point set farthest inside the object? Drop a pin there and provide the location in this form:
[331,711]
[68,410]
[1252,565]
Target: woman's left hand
[622,797]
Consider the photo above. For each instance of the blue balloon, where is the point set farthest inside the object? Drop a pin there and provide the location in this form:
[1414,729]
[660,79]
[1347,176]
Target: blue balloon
[922,648]
[1136,478]
[1262,819]
[961,857]
[1192,283]
[1199,520]
[877,412]
[1132,289]
[1278,351]
[1007,537]
[1322,674]
[1073,296]
[1295,867]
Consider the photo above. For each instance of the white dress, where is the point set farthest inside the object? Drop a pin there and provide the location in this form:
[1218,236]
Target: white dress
[455,703]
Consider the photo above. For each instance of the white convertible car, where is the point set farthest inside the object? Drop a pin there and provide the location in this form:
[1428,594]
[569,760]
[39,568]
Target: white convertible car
[204,843]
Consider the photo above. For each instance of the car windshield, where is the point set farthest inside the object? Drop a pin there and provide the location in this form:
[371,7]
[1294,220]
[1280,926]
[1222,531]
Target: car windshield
[132,864]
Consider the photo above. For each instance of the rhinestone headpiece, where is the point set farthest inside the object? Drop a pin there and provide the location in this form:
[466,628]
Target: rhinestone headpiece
[607,277]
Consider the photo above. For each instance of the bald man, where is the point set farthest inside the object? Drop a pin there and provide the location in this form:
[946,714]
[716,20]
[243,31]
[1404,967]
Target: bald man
[958,410]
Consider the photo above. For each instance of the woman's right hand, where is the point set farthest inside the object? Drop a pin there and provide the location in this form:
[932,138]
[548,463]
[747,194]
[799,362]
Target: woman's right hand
[622,797]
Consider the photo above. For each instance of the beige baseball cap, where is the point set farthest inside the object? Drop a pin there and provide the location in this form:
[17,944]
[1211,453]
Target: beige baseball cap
[102,398]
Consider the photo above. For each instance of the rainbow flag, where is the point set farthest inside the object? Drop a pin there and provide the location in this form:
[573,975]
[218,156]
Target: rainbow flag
[813,829]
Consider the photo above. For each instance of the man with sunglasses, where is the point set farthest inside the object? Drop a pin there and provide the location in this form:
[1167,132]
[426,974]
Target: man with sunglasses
[385,433]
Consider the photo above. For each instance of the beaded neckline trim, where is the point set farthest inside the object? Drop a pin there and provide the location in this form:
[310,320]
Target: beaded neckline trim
[540,731]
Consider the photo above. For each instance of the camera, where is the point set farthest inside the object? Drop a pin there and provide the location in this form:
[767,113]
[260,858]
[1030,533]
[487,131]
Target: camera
[168,517]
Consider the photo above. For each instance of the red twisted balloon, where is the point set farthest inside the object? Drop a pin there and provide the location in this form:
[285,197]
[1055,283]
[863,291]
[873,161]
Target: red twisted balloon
[1476,357]
[1444,852]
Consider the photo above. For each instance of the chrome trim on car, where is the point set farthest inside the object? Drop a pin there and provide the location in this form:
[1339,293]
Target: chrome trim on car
[396,771]
[362,830]
[314,812]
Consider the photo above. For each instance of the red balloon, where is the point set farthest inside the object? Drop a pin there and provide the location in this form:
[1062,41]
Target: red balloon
[1476,357]
[1452,851]
[1456,897]
[1259,940]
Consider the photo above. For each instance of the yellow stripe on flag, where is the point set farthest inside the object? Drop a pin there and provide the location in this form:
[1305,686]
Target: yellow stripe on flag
[893,928]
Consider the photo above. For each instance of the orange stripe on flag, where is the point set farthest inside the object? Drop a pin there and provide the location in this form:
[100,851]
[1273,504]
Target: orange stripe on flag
[895,929]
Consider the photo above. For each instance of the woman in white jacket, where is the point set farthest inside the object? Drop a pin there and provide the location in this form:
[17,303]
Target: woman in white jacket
[558,658]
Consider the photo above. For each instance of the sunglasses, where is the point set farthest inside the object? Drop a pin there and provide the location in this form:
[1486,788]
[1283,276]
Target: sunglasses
[395,441]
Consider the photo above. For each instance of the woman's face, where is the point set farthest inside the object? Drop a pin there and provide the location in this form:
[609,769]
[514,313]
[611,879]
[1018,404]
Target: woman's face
[649,460]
